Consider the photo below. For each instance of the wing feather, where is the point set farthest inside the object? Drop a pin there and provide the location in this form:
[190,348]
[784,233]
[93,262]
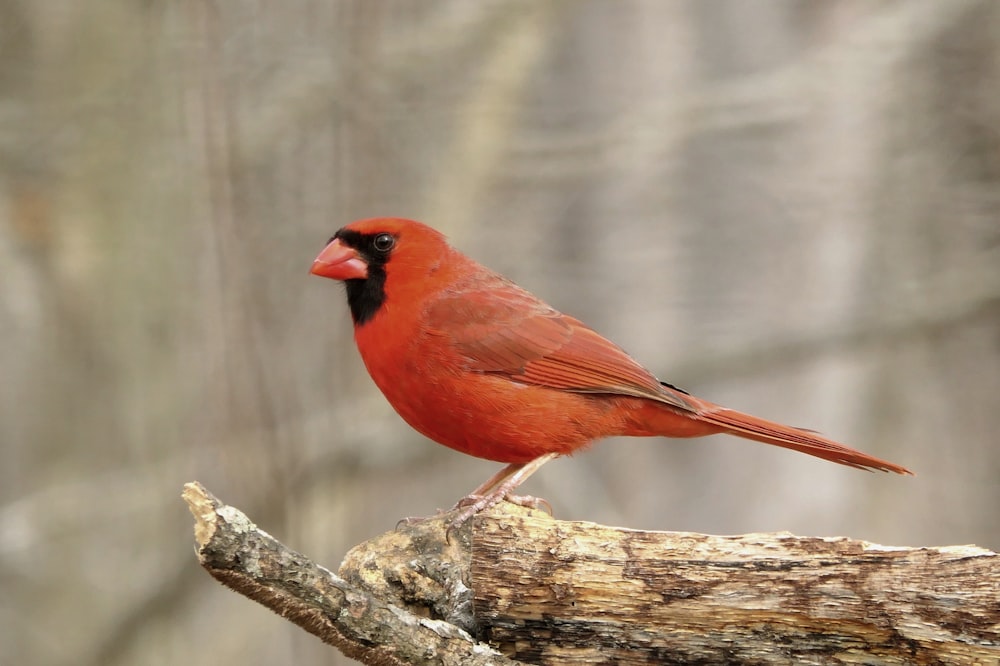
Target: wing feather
[499,328]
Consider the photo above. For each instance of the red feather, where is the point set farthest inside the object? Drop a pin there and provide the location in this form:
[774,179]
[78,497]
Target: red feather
[478,364]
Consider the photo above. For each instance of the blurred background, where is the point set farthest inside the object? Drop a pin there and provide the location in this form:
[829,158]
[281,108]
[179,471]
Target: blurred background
[785,206]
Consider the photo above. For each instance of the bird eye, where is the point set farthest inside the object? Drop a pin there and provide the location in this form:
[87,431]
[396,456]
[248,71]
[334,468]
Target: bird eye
[383,242]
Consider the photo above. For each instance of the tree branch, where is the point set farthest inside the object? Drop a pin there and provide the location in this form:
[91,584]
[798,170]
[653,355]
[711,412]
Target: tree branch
[343,613]
[516,582]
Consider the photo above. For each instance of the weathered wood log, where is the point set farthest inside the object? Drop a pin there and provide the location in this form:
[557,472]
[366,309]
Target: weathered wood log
[517,584]
[600,594]
[378,631]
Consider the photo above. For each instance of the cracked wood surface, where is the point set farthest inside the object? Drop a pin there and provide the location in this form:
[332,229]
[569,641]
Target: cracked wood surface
[611,595]
[515,584]
[361,625]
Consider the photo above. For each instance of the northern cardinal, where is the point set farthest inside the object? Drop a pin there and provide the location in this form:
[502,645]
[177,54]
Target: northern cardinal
[476,363]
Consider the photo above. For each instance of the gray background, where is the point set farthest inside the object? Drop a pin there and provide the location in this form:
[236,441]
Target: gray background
[787,207]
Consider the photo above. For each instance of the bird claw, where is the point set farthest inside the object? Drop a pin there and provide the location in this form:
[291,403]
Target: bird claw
[470,505]
[467,501]
[409,521]
[497,488]
[531,502]
[416,520]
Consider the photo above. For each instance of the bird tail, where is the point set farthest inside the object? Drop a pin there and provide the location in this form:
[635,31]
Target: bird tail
[797,439]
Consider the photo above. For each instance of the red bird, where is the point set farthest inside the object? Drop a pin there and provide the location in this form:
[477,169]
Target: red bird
[476,363]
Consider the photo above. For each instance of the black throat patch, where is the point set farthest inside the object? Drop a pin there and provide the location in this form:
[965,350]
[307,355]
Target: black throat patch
[365,297]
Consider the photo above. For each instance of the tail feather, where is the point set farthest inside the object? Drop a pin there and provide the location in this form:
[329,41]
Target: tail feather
[797,439]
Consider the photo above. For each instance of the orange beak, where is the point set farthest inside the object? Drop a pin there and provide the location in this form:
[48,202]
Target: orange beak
[340,262]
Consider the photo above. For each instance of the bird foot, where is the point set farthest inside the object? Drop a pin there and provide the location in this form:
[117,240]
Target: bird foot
[497,488]
[473,504]
[470,505]
[531,502]
[413,520]
[416,520]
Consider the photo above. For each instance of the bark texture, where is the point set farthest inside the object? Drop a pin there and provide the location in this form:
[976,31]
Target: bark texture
[515,584]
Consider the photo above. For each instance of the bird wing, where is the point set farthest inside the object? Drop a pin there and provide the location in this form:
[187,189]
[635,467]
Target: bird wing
[504,330]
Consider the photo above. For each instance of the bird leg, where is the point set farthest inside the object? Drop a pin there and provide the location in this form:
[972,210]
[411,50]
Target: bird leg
[495,480]
[498,488]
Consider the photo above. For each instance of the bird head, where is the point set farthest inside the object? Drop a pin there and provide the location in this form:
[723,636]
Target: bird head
[369,254]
